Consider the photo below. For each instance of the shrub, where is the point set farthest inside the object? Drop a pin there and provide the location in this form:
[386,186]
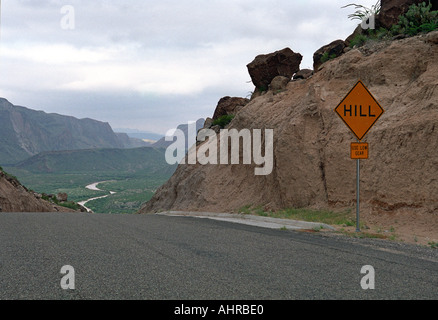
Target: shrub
[419,18]
[223,121]
[70,205]
[359,40]
[326,57]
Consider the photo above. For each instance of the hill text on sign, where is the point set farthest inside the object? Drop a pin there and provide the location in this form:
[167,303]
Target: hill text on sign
[359,110]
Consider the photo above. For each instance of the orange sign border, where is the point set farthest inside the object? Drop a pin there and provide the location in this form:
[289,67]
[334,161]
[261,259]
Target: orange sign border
[340,103]
[365,157]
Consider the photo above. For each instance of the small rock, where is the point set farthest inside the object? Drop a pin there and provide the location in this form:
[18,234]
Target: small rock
[63,197]
[303,74]
[216,129]
[208,123]
[432,37]
[37,195]
[399,37]
[279,83]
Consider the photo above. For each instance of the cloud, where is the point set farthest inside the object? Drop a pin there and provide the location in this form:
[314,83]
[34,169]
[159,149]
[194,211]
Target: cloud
[164,57]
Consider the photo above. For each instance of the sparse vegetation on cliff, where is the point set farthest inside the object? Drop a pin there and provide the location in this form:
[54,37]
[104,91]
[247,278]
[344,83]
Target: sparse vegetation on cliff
[223,121]
[363,12]
[420,18]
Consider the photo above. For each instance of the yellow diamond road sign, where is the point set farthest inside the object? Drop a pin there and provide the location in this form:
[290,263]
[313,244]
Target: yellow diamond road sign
[359,110]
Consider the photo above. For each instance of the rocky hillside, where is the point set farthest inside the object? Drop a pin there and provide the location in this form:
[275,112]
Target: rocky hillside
[25,132]
[312,165]
[16,198]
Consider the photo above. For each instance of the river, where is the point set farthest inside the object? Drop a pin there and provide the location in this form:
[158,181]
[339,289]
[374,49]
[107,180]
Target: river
[94,187]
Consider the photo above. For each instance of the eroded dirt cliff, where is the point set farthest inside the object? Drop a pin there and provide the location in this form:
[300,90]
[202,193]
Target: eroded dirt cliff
[312,165]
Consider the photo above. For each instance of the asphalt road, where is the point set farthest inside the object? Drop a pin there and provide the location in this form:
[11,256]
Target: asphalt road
[127,257]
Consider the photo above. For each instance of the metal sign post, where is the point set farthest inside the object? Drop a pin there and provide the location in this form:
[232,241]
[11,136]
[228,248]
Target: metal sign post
[360,111]
[359,151]
[358,197]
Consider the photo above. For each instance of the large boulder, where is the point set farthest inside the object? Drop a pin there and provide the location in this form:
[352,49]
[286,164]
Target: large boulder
[330,51]
[228,106]
[266,67]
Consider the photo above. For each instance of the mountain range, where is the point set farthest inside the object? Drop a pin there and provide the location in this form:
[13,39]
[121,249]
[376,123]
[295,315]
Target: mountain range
[143,135]
[97,160]
[25,133]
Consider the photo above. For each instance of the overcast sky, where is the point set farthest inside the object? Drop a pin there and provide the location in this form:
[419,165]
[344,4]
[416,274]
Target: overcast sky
[151,65]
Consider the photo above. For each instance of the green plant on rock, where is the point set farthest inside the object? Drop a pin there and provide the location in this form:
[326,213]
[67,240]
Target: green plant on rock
[419,19]
[327,56]
[359,40]
[223,121]
[363,12]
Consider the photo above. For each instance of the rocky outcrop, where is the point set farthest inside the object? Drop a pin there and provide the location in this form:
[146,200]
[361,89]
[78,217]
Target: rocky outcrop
[14,197]
[328,52]
[229,106]
[312,166]
[266,67]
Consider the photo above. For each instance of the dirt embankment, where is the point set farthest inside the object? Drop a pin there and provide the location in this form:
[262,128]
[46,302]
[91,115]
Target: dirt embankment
[312,167]
[14,197]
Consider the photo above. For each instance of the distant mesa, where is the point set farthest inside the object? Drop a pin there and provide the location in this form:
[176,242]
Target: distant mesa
[146,136]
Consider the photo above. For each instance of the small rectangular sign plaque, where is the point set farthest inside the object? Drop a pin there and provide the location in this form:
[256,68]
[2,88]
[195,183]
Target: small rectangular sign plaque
[359,151]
